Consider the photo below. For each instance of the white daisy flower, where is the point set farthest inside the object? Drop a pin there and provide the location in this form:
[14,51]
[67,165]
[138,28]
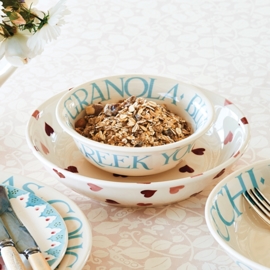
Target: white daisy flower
[51,30]
[16,50]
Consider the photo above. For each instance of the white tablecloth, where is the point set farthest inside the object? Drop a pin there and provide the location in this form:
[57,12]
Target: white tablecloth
[223,46]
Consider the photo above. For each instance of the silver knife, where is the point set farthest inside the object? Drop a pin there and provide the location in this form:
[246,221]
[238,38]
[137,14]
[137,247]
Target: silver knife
[9,254]
[24,242]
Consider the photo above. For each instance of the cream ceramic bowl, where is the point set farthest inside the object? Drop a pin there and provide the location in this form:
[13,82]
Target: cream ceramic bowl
[210,159]
[184,100]
[234,224]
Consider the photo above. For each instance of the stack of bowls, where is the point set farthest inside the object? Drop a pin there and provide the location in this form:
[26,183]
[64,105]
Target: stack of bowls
[188,102]
[139,176]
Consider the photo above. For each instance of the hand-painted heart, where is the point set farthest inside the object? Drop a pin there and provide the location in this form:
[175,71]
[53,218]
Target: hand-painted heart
[146,183]
[59,173]
[44,149]
[198,151]
[72,169]
[174,190]
[194,194]
[148,193]
[119,175]
[48,129]
[227,102]
[94,187]
[228,138]
[35,114]
[144,204]
[244,120]
[196,175]
[186,168]
[111,201]
[219,174]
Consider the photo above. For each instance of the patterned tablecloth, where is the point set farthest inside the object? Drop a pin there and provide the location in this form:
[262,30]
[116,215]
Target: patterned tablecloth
[223,46]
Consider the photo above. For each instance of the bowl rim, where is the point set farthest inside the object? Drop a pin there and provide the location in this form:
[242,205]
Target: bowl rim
[208,204]
[182,143]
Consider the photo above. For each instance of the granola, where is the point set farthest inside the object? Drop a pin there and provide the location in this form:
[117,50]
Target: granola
[133,122]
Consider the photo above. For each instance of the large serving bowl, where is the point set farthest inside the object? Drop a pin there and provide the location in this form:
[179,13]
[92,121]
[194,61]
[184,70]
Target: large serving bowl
[184,100]
[210,159]
[234,224]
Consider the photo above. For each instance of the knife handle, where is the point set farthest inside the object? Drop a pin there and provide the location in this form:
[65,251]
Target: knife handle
[38,262]
[11,256]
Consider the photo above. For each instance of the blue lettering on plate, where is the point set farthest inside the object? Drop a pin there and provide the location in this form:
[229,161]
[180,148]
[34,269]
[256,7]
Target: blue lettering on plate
[174,156]
[82,103]
[137,161]
[150,90]
[213,210]
[172,94]
[9,181]
[96,94]
[221,219]
[120,91]
[76,233]
[194,109]
[144,90]
[136,85]
[101,159]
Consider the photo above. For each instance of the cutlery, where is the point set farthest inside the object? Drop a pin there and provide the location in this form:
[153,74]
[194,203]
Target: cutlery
[259,203]
[9,254]
[24,242]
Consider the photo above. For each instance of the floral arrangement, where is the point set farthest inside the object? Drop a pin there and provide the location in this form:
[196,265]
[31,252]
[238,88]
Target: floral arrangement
[25,30]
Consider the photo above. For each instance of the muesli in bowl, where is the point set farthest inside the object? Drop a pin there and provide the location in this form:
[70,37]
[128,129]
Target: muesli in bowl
[132,122]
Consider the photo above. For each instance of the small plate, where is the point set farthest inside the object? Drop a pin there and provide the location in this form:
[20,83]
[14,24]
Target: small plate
[212,154]
[78,246]
[43,222]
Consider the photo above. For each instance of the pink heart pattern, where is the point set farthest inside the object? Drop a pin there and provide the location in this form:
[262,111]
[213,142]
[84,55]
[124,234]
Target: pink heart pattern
[48,129]
[94,187]
[119,175]
[148,193]
[186,168]
[228,138]
[144,204]
[59,174]
[219,174]
[111,201]
[236,154]
[72,169]
[35,114]
[174,190]
[44,149]
[227,102]
[244,120]
[198,151]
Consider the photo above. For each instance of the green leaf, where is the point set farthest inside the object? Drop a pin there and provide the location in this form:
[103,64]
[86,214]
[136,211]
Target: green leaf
[13,16]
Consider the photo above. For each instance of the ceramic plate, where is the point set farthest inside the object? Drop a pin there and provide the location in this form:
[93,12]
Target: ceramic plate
[219,148]
[43,222]
[78,245]
[234,224]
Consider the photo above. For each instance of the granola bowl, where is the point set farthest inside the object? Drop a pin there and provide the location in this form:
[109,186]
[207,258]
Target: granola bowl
[135,125]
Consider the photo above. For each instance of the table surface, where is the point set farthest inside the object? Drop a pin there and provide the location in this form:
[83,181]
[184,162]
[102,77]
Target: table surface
[223,46]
